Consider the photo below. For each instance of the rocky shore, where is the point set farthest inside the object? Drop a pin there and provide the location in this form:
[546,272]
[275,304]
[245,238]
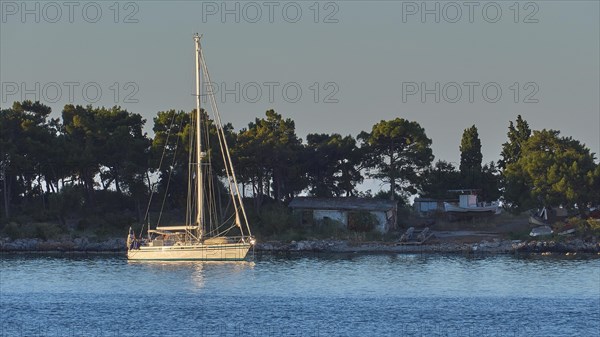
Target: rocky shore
[495,246]
[74,245]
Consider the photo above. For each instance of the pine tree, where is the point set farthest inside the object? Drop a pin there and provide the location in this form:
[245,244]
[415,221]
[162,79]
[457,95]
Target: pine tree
[470,157]
[399,152]
[517,136]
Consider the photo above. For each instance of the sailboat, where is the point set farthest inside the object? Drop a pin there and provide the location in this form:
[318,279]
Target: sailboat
[205,236]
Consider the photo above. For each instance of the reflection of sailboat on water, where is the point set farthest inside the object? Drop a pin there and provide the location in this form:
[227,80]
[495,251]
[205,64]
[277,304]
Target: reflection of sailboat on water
[204,236]
[196,273]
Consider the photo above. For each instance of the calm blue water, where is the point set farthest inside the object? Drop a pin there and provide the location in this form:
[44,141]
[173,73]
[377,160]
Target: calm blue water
[317,295]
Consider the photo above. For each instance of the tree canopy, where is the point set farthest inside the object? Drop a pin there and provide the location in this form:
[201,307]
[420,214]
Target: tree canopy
[555,170]
[470,155]
[269,154]
[398,152]
[517,136]
[439,180]
[332,165]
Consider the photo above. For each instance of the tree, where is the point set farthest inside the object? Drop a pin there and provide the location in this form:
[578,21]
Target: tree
[517,136]
[108,142]
[490,182]
[470,158]
[28,139]
[556,170]
[398,151]
[269,153]
[516,187]
[473,175]
[439,179]
[174,140]
[121,147]
[332,165]
[170,152]
[79,130]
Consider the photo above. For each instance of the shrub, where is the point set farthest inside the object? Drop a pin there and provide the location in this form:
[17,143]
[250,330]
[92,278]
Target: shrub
[362,221]
[40,230]
[12,230]
[46,231]
[274,219]
[327,228]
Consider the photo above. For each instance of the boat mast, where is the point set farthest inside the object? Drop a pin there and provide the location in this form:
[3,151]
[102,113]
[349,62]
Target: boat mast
[199,194]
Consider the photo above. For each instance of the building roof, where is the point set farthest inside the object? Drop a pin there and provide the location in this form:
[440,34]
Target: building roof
[433,200]
[426,200]
[351,204]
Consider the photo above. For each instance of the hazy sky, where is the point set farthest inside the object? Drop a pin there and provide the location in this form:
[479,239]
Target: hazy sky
[356,62]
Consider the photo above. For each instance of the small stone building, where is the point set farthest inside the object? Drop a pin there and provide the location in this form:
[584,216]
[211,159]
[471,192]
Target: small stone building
[430,207]
[345,211]
[424,206]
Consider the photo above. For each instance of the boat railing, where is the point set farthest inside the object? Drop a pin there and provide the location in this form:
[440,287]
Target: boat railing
[231,239]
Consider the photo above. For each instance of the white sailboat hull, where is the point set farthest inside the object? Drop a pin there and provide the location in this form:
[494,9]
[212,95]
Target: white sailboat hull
[199,252]
[457,209]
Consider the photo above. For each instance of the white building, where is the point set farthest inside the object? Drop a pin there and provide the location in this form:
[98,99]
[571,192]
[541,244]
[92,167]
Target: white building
[345,210]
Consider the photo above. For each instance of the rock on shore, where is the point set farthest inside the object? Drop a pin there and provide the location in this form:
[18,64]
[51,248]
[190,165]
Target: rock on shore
[572,246]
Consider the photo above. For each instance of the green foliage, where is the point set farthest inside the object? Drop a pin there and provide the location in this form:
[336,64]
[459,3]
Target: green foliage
[582,226]
[362,221]
[274,219]
[38,230]
[269,157]
[489,183]
[437,180]
[109,224]
[105,142]
[13,231]
[170,150]
[397,152]
[292,234]
[470,156]
[70,200]
[383,194]
[517,136]
[332,165]
[328,228]
[93,165]
[516,187]
[28,143]
[555,170]
[519,235]
[486,178]
[594,226]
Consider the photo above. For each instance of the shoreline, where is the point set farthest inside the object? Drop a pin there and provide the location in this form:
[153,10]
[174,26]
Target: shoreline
[482,247]
[495,246]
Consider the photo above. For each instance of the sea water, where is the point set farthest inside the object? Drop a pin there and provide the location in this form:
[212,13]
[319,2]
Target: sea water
[301,295]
